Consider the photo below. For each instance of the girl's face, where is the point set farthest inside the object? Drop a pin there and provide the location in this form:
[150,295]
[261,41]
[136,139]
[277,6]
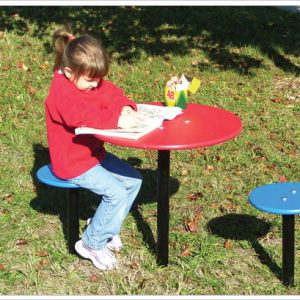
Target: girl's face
[83,83]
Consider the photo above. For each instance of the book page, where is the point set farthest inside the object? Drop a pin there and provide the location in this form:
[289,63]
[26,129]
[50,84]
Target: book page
[154,111]
[152,117]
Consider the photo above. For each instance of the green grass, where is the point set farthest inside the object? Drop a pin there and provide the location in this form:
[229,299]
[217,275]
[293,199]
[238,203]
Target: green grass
[248,61]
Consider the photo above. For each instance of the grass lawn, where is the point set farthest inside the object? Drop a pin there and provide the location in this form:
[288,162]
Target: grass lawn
[248,61]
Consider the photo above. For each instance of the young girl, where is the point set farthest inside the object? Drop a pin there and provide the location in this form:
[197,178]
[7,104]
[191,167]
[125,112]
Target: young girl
[80,96]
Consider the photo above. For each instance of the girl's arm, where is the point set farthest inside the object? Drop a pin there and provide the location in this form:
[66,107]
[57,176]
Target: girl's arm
[76,112]
[99,109]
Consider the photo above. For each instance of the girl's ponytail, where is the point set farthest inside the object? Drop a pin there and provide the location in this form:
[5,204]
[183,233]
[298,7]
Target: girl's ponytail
[61,37]
[84,55]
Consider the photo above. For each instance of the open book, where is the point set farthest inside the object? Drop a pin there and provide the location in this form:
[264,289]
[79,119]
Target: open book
[152,116]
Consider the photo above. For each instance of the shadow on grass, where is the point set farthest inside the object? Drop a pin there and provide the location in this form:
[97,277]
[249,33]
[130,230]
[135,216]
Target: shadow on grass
[51,200]
[221,33]
[245,227]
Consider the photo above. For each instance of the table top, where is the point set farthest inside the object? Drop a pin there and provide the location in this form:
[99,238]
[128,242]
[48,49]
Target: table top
[277,198]
[198,126]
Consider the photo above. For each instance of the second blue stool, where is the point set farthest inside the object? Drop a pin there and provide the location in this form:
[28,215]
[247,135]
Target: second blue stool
[281,198]
[46,176]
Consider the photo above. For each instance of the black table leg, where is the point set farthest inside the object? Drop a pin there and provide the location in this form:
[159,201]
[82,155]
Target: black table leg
[288,249]
[163,188]
[73,219]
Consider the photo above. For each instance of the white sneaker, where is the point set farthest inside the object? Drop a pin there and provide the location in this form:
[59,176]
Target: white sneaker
[103,259]
[115,244]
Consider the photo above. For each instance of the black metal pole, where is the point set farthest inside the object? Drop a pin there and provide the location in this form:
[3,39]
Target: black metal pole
[163,188]
[73,219]
[288,249]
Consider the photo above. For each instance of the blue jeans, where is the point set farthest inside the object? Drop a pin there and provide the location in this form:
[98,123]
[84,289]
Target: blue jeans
[118,183]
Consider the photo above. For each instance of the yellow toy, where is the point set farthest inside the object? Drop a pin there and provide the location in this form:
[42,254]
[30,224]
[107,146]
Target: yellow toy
[176,90]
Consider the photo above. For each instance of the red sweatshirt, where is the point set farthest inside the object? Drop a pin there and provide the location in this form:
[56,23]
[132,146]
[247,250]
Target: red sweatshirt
[67,107]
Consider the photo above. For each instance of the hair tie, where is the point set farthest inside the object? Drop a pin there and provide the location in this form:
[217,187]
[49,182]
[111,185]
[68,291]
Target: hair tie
[71,37]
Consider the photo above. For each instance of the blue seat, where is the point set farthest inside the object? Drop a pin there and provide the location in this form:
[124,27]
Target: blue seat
[281,198]
[278,198]
[46,176]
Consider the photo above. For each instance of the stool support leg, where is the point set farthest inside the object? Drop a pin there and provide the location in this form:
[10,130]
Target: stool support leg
[288,249]
[73,219]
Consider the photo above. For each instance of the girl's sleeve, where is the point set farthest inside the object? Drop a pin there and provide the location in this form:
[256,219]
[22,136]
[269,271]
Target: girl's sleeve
[116,96]
[102,113]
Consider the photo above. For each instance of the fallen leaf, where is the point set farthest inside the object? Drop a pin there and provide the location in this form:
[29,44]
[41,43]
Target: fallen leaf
[209,168]
[229,207]
[93,278]
[260,158]
[41,253]
[167,57]
[191,226]
[2,268]
[279,146]
[220,157]
[44,66]
[184,172]
[186,252]
[185,179]
[23,169]
[194,196]
[180,163]
[276,100]
[282,179]
[134,265]
[195,63]
[227,244]
[31,91]
[151,154]
[31,186]
[9,198]
[219,274]
[201,152]
[44,262]
[21,242]
[239,172]
[198,214]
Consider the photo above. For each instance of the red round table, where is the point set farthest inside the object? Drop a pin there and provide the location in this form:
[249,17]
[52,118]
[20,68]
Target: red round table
[198,126]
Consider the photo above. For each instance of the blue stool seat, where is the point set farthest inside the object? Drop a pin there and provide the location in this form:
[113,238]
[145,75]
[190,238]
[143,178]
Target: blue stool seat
[46,176]
[281,198]
[278,198]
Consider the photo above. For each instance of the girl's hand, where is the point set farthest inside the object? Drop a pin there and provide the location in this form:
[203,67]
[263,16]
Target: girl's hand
[129,118]
[127,110]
